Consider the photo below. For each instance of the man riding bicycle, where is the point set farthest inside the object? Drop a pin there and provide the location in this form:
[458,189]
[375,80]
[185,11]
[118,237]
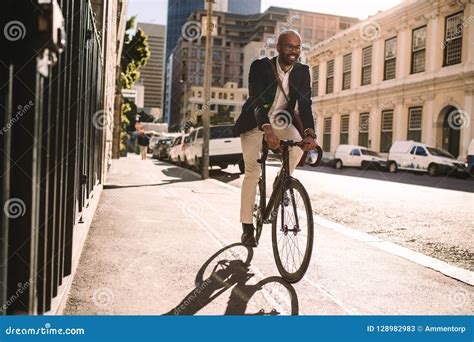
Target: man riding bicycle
[269,111]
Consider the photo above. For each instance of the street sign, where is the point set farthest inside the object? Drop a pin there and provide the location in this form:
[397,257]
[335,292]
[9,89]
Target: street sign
[204,26]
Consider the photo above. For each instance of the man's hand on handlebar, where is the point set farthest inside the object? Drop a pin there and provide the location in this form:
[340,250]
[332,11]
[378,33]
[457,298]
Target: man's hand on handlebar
[270,137]
[309,144]
[309,140]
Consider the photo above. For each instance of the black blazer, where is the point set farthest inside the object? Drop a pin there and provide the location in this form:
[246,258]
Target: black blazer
[262,89]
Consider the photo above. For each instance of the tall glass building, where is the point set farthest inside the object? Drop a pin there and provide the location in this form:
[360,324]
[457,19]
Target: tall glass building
[178,13]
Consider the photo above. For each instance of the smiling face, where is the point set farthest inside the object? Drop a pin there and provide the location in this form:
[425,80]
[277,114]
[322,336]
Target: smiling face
[289,47]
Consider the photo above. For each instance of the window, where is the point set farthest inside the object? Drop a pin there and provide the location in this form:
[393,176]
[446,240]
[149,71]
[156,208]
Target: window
[193,53]
[193,65]
[355,152]
[387,131]
[414,123]
[390,58]
[344,136]
[327,135]
[315,80]
[231,96]
[184,52]
[346,71]
[202,53]
[308,33]
[366,65]
[330,77]
[213,95]
[418,50]
[453,39]
[364,129]
[262,53]
[420,151]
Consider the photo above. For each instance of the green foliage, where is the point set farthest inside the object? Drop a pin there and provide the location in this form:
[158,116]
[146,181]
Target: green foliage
[135,54]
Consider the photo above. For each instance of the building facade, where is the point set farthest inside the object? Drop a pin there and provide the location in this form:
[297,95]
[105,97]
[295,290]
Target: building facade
[313,28]
[403,74]
[244,6]
[227,100]
[152,73]
[234,33]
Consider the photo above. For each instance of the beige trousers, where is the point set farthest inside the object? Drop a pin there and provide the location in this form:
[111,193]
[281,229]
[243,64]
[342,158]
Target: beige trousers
[143,152]
[251,148]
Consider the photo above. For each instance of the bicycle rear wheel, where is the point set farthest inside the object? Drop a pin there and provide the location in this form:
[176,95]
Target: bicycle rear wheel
[293,232]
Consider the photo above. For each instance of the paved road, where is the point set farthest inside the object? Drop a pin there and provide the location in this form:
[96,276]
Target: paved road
[441,182]
[428,219]
[164,242]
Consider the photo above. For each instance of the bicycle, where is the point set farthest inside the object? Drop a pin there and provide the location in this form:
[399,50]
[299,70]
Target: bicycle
[290,223]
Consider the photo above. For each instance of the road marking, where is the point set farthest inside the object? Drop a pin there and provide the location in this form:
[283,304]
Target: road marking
[443,267]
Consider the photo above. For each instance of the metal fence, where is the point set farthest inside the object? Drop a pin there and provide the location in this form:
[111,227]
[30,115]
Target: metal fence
[51,143]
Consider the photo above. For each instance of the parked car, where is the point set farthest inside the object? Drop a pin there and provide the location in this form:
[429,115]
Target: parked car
[469,161]
[418,157]
[224,148]
[176,154]
[358,156]
[153,140]
[162,148]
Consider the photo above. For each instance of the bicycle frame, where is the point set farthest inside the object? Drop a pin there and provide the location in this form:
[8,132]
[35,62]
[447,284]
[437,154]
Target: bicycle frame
[278,183]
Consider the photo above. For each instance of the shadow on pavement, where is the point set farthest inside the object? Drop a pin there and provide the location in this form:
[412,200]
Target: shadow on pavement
[227,269]
[224,176]
[179,174]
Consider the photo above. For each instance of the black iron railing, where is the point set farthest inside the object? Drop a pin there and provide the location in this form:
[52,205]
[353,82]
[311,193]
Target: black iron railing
[51,144]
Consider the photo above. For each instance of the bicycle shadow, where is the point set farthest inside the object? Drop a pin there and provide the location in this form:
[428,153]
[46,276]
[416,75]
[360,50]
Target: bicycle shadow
[228,270]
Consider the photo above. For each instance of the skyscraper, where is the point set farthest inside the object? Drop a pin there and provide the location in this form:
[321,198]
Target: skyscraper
[152,73]
[178,13]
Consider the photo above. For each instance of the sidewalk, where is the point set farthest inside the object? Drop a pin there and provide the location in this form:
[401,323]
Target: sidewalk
[159,233]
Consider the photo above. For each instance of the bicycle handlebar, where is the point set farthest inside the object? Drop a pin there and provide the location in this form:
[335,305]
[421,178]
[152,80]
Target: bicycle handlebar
[291,143]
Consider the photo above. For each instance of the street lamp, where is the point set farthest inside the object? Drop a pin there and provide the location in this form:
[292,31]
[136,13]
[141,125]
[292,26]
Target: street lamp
[207,92]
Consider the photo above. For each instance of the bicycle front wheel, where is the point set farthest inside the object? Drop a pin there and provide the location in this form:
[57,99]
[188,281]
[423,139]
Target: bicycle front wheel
[293,232]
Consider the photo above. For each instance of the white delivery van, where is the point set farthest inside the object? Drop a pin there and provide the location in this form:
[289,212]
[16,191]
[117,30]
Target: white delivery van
[358,156]
[224,148]
[414,156]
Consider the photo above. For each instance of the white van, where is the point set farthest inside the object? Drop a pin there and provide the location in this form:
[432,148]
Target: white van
[414,156]
[358,156]
[177,149]
[224,148]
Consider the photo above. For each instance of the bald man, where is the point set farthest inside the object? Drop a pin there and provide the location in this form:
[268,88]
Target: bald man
[268,113]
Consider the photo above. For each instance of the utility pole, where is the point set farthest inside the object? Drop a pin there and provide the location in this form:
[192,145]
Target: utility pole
[207,93]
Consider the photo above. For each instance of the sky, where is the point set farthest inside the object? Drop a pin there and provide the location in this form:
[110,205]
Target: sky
[154,11]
